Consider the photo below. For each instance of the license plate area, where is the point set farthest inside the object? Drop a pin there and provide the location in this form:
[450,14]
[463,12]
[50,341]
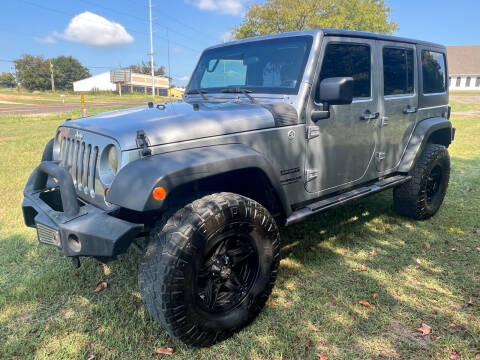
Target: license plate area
[47,235]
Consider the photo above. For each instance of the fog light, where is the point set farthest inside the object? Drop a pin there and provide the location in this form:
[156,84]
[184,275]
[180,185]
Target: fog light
[74,243]
[159,193]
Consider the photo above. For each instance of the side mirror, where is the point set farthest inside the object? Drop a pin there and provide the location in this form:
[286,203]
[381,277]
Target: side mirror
[336,91]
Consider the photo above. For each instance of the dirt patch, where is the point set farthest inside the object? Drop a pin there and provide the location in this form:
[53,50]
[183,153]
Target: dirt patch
[9,138]
[471,113]
[20,97]
[409,336]
[466,99]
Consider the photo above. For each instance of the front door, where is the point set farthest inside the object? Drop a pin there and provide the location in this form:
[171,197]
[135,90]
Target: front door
[399,102]
[341,147]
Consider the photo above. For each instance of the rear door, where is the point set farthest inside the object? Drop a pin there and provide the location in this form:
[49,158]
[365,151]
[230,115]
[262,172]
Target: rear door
[399,102]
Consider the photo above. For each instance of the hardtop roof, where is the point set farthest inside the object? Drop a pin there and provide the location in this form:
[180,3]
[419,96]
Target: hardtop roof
[335,32]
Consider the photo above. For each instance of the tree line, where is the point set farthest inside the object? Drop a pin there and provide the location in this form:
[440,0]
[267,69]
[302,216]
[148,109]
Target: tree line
[34,72]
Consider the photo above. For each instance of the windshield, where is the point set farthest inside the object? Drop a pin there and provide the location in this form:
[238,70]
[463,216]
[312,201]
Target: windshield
[272,66]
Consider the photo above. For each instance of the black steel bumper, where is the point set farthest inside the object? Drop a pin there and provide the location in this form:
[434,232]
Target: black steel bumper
[61,220]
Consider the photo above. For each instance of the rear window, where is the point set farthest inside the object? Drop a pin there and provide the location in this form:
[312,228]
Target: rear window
[398,71]
[349,60]
[434,72]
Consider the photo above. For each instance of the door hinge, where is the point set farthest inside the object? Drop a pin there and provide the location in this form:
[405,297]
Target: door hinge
[312,132]
[383,121]
[380,156]
[311,174]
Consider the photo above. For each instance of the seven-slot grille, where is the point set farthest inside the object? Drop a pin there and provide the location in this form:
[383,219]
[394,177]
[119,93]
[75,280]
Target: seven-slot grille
[81,160]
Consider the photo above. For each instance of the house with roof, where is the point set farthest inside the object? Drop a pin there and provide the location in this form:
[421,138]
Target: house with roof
[464,67]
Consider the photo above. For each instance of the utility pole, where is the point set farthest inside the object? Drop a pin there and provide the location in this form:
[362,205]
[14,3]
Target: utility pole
[52,79]
[151,49]
[168,47]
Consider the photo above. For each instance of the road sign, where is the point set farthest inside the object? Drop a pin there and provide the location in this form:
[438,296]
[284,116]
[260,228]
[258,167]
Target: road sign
[82,100]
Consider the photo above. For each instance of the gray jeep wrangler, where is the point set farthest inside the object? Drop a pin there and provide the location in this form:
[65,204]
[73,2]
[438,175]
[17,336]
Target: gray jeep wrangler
[271,130]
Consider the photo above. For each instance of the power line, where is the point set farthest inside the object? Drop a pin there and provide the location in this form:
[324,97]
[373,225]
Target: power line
[205,34]
[43,7]
[138,18]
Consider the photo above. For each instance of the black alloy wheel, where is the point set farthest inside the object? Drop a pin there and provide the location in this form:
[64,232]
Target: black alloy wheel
[228,273]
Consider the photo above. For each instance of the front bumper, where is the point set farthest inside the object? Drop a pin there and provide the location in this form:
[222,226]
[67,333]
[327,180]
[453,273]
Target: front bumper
[62,220]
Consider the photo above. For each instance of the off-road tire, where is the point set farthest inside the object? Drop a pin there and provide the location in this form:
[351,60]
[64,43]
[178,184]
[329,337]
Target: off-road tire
[411,199]
[173,257]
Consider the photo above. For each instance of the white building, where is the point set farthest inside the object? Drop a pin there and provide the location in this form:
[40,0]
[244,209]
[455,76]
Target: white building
[99,82]
[124,80]
[464,67]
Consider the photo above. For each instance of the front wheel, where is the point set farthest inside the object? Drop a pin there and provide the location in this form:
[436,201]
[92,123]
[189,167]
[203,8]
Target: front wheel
[210,267]
[422,196]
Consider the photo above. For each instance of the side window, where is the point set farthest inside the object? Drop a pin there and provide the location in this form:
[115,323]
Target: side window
[434,72]
[351,60]
[398,71]
[459,80]
[477,83]
[467,83]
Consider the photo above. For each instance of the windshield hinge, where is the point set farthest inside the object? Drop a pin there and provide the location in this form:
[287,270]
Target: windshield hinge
[142,143]
[312,132]
[311,174]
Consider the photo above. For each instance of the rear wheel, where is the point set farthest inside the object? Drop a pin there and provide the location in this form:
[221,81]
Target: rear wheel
[421,197]
[210,267]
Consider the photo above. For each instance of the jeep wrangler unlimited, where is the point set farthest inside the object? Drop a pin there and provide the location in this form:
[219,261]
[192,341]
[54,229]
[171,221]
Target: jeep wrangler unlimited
[271,130]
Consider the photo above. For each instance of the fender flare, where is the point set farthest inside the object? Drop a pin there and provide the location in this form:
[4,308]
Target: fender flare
[132,187]
[420,138]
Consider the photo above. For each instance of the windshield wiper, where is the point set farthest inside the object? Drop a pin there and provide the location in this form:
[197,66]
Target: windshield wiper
[201,92]
[245,92]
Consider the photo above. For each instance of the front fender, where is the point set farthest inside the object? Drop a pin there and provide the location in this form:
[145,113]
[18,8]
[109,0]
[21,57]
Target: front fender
[133,185]
[420,138]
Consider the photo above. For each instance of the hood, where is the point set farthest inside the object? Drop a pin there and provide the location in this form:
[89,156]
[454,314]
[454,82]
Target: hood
[176,121]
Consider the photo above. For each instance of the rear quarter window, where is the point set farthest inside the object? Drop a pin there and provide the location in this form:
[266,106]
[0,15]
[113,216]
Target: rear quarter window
[434,72]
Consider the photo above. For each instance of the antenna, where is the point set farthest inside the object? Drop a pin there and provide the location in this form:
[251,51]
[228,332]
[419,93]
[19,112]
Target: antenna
[151,49]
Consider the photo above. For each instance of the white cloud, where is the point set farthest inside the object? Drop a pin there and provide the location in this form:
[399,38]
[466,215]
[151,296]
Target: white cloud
[49,39]
[228,7]
[95,30]
[184,78]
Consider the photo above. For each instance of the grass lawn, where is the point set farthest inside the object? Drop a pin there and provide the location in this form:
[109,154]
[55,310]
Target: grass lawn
[12,97]
[409,271]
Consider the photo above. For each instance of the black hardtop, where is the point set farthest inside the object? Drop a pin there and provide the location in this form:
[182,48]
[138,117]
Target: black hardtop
[336,32]
[369,35]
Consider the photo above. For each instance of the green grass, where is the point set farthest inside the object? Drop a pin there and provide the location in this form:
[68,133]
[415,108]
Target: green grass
[48,310]
[42,97]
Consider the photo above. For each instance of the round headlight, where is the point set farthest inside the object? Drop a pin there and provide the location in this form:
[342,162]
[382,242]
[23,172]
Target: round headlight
[113,159]
[108,166]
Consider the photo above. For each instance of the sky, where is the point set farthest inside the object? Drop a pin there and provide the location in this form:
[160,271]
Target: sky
[107,34]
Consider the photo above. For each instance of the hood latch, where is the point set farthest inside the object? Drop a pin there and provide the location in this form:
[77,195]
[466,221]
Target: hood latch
[142,143]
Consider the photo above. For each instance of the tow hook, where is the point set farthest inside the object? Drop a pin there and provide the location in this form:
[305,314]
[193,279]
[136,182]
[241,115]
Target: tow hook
[76,262]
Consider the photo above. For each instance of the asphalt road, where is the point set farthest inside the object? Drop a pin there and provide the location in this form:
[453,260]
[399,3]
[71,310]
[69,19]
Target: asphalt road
[35,109]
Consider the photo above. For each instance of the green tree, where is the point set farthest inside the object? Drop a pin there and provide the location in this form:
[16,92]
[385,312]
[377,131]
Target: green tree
[66,70]
[7,80]
[145,68]
[33,72]
[275,16]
